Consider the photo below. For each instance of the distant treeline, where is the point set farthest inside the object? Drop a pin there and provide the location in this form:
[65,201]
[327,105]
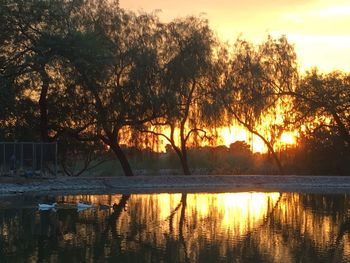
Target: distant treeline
[87,72]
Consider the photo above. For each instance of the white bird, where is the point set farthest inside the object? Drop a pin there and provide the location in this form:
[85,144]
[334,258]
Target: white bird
[83,206]
[47,206]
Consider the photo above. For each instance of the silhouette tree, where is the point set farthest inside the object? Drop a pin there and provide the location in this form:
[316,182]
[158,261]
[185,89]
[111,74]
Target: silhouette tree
[186,79]
[117,68]
[94,62]
[322,101]
[321,115]
[27,49]
[87,72]
[254,77]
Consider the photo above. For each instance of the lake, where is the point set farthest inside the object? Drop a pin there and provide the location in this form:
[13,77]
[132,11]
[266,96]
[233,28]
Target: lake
[223,227]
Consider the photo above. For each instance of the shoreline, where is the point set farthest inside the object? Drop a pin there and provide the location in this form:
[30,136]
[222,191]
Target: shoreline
[176,184]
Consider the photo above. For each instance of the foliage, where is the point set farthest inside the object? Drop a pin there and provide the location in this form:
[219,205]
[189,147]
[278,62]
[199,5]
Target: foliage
[322,101]
[256,75]
[186,82]
[95,76]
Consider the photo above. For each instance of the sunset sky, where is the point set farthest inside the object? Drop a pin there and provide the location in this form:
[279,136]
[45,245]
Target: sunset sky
[320,29]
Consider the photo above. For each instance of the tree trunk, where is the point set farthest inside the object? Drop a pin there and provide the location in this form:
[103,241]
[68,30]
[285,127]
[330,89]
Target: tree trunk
[122,159]
[184,163]
[182,224]
[277,160]
[114,217]
[271,151]
[118,208]
[183,156]
[342,129]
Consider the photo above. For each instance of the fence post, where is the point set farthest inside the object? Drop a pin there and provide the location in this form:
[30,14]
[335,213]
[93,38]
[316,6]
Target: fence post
[41,159]
[14,159]
[4,159]
[33,161]
[22,157]
[14,154]
[56,162]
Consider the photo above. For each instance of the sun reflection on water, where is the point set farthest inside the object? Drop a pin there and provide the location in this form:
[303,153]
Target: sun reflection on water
[236,213]
[274,226]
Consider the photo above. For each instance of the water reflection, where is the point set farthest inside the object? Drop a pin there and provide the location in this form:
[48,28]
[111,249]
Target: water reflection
[238,227]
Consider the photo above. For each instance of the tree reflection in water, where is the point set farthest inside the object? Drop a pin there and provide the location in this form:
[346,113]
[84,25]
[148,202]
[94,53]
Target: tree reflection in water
[244,227]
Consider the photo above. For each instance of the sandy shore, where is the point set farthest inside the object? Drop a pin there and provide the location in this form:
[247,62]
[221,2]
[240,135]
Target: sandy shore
[195,183]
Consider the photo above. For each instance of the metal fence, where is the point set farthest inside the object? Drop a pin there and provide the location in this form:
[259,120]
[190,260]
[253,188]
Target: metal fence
[28,158]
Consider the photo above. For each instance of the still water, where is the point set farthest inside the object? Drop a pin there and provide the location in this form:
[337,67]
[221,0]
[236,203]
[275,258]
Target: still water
[227,227]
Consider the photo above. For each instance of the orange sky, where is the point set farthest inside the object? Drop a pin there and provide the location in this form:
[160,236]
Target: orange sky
[320,29]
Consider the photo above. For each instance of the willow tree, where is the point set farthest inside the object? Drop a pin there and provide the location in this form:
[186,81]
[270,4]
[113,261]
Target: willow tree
[27,57]
[187,75]
[256,78]
[322,101]
[12,65]
[30,40]
[91,66]
[43,101]
[115,61]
